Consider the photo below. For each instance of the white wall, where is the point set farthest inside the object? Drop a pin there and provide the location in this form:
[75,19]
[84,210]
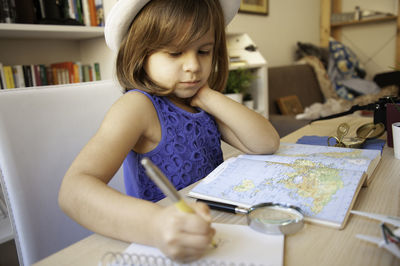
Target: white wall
[276,35]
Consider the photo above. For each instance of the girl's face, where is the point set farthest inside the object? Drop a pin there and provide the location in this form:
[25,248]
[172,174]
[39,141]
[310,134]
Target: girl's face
[184,71]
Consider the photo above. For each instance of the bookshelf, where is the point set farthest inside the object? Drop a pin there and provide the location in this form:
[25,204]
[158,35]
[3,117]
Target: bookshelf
[26,44]
[35,31]
[327,29]
[250,59]
[45,44]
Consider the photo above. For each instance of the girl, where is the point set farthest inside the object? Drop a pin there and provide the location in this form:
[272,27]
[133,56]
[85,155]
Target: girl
[172,59]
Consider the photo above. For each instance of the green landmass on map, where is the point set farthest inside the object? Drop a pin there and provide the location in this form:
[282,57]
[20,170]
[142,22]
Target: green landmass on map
[308,180]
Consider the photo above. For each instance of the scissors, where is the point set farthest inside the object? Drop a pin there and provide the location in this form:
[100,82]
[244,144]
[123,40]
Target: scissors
[390,239]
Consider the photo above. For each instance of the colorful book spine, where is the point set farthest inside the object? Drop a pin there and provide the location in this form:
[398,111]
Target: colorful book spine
[92,11]
[3,77]
[18,74]
[86,12]
[97,71]
[8,73]
[78,11]
[99,12]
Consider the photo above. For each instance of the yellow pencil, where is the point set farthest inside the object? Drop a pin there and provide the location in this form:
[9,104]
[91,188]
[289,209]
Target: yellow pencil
[166,187]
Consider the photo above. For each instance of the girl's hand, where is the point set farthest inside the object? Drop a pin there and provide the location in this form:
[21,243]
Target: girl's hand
[183,236]
[241,127]
[199,98]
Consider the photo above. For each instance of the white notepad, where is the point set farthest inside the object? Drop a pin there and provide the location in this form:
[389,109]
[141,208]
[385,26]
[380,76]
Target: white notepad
[237,245]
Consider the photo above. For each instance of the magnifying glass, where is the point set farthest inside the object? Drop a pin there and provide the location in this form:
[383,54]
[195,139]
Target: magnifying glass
[268,218]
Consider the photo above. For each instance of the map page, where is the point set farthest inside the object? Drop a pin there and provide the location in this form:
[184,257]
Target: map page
[334,157]
[322,181]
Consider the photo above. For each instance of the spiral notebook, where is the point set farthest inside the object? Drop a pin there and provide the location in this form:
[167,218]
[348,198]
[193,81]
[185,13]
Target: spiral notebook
[237,245]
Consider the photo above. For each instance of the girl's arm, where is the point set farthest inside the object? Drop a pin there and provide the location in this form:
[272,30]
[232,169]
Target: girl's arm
[85,196]
[241,127]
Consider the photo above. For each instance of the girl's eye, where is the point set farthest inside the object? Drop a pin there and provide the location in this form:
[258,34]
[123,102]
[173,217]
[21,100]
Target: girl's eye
[174,54]
[204,52]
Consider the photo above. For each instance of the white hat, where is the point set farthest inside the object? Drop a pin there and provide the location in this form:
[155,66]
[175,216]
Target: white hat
[124,11]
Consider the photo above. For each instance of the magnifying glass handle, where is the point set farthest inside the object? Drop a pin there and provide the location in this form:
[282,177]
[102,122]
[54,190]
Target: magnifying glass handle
[219,206]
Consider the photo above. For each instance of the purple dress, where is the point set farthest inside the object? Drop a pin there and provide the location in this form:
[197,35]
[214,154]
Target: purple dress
[189,149]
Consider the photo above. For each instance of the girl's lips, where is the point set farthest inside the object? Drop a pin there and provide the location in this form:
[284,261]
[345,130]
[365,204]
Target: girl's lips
[191,82]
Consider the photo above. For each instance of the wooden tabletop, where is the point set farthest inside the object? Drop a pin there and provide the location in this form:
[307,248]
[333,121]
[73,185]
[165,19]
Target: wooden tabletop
[314,244]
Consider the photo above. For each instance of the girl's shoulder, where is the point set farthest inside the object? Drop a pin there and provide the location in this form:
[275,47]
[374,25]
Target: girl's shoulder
[133,105]
[135,100]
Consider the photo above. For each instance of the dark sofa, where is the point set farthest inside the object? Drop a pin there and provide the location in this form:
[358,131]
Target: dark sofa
[299,80]
[310,83]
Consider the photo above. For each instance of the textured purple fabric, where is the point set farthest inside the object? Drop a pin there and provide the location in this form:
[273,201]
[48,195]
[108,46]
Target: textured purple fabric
[190,148]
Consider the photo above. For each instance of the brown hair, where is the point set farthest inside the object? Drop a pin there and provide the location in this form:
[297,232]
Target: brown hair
[158,25]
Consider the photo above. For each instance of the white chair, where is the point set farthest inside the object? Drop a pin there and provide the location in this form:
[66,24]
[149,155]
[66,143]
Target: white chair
[41,131]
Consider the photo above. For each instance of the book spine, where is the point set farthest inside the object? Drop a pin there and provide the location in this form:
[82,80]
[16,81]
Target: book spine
[65,75]
[5,15]
[71,9]
[76,73]
[3,77]
[99,12]
[49,75]
[86,75]
[24,12]
[12,11]
[19,79]
[41,11]
[8,73]
[33,74]
[79,16]
[80,69]
[92,11]
[54,75]
[43,75]
[86,12]
[27,75]
[71,73]
[53,11]
[97,71]
[36,74]
[90,73]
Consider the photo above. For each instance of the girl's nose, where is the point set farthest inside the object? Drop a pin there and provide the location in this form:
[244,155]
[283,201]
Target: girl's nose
[191,63]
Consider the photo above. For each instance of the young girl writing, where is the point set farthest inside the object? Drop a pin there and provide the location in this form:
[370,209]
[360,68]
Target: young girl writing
[172,60]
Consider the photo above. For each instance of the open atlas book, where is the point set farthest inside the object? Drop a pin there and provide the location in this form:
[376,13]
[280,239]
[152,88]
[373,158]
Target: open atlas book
[323,181]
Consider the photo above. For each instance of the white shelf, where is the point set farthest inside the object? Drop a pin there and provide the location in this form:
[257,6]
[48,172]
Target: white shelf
[236,44]
[37,31]
[250,59]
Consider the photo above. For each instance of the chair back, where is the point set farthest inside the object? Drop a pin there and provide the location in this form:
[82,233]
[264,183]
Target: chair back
[41,132]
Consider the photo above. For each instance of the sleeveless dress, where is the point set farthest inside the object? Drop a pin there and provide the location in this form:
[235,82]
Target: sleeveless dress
[189,149]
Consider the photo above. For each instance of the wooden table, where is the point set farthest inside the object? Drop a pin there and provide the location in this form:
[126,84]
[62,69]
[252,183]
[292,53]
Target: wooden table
[314,244]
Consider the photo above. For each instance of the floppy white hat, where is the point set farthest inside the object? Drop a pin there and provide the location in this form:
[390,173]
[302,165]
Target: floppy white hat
[124,11]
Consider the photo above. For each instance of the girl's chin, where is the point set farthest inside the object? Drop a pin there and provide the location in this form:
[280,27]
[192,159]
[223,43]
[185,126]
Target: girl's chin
[186,93]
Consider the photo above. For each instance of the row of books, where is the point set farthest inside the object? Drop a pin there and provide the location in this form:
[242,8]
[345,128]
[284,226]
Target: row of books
[21,76]
[60,12]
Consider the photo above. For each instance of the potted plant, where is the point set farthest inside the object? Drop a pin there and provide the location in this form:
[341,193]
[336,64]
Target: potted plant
[239,81]
[248,100]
